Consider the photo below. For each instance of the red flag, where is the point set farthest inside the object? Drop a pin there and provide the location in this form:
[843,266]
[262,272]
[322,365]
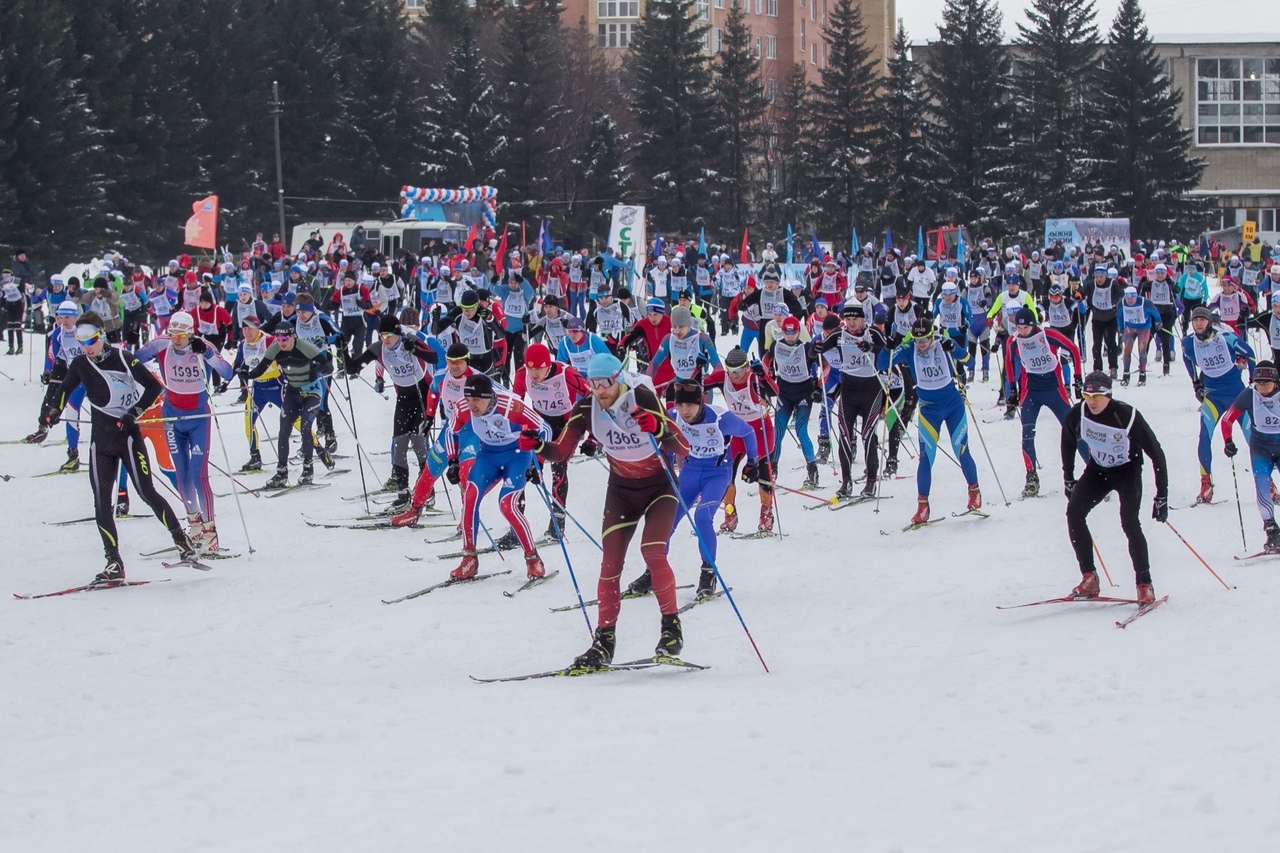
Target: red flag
[500,260]
[470,244]
[744,245]
[202,227]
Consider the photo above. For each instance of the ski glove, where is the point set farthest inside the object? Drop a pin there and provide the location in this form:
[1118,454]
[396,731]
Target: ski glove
[589,448]
[1160,509]
[533,475]
[44,378]
[751,471]
[1067,486]
[1078,387]
[452,473]
[530,440]
[1230,448]
[198,346]
[646,420]
[1198,386]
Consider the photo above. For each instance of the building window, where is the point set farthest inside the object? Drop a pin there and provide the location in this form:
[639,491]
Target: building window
[719,4]
[719,38]
[613,35]
[770,47]
[1238,101]
[758,54]
[813,53]
[772,7]
[771,89]
[704,10]
[618,9]
[415,4]
[759,7]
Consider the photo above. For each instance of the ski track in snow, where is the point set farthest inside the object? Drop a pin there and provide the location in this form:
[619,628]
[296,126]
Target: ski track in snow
[276,704]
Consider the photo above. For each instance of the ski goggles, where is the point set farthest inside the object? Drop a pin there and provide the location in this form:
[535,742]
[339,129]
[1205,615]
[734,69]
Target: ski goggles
[603,381]
[87,334]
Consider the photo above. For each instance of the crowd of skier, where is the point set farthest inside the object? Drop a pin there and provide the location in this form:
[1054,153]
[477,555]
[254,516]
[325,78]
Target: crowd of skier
[681,378]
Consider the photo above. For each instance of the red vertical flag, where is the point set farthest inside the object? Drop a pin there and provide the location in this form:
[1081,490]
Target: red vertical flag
[470,244]
[500,260]
[202,227]
[744,245]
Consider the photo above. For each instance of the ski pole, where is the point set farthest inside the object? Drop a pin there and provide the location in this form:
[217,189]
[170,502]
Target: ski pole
[577,523]
[234,493]
[1102,563]
[1239,512]
[359,450]
[777,485]
[232,478]
[371,385]
[582,605]
[688,515]
[7,376]
[1197,556]
[974,419]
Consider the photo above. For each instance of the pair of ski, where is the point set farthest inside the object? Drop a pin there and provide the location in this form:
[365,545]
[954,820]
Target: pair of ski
[575,672]
[1262,553]
[684,608]
[1143,609]
[527,585]
[81,470]
[280,491]
[976,513]
[380,521]
[488,549]
[759,534]
[90,518]
[40,443]
[88,587]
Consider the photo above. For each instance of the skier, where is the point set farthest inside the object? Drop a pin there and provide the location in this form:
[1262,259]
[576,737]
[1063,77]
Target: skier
[1159,289]
[185,361]
[120,389]
[1036,353]
[1102,295]
[691,353]
[624,416]
[744,389]
[1233,305]
[934,370]
[1214,358]
[1261,405]
[979,296]
[1114,436]
[302,364]
[610,319]
[1138,320]
[790,364]
[498,419]
[266,390]
[861,398]
[14,297]
[553,389]
[705,476]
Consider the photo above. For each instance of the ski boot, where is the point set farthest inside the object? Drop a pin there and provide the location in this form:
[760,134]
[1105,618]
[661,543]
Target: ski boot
[891,466]
[1113,372]
[186,547]
[868,488]
[1088,586]
[1146,594]
[845,491]
[671,640]
[207,542]
[1142,379]
[1032,488]
[1272,530]
[1124,380]
[642,585]
[555,526]
[986,375]
[766,519]
[600,655]
[1011,409]
[811,480]
[508,541]
[244,396]
[195,525]
[398,481]
[1206,490]
[330,443]
[408,518]
[19,352]
[113,573]
[73,462]
[1166,369]
[278,480]
[468,568]
[824,449]
[308,475]
[533,568]
[38,436]
[975,499]
[730,522]
[706,582]
[922,510]
[254,463]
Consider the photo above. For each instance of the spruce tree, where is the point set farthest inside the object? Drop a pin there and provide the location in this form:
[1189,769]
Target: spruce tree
[902,165]
[1142,153]
[601,177]
[463,130]
[967,79]
[741,105]
[785,202]
[671,104]
[842,109]
[1058,53]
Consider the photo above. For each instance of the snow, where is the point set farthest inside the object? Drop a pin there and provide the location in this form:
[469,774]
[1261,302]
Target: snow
[276,704]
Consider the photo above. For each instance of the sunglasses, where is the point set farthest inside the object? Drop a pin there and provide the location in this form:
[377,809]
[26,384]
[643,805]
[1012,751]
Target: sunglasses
[283,335]
[1093,395]
[88,338]
[603,381]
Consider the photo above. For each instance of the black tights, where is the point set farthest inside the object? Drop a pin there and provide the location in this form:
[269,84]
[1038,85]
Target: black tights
[106,453]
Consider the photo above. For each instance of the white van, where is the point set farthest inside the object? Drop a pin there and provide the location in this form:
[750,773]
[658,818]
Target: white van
[391,237]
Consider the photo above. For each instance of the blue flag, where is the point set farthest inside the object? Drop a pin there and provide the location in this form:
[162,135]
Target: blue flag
[888,238]
[854,245]
[920,241]
[960,250]
[702,241]
[546,242]
[789,240]
[816,250]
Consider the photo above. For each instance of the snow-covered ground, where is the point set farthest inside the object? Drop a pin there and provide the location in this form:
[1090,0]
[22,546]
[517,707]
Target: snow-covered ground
[275,704]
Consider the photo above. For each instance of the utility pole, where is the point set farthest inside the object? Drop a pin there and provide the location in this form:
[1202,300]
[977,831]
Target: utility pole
[277,109]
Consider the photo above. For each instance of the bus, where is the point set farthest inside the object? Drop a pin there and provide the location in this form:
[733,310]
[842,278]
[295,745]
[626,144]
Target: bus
[390,237]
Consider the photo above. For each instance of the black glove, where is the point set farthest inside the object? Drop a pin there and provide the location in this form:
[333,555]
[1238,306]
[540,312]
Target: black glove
[1067,486]
[948,345]
[428,422]
[817,395]
[1160,509]
[864,345]
[589,448]
[533,475]
[353,369]
[757,368]
[751,472]
[44,378]
[452,473]
[198,346]
[1198,386]
[52,416]
[128,420]
[1078,387]
[243,373]
[1230,448]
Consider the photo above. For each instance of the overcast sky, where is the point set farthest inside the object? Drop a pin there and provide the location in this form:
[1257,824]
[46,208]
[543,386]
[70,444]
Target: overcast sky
[1163,16]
